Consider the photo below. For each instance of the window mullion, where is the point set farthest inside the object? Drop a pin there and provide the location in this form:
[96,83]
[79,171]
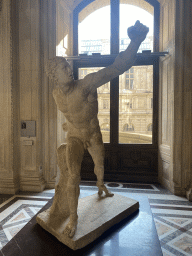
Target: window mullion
[114,27]
[75,33]
[114,111]
[114,91]
[155,102]
[156,28]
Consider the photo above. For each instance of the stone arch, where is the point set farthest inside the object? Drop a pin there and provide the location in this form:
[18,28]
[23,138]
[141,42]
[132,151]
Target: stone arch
[95,5]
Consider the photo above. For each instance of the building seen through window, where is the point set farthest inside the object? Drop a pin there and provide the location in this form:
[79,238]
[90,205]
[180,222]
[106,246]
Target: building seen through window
[135,99]
[129,79]
[127,128]
[102,45]
[105,104]
[105,127]
[135,103]
[150,127]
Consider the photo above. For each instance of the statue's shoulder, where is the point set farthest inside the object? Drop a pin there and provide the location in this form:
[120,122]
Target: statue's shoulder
[79,85]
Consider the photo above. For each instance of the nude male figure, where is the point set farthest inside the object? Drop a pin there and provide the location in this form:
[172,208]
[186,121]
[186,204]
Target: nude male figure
[77,100]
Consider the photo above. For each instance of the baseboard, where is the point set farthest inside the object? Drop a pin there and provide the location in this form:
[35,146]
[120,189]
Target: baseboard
[167,184]
[9,186]
[50,185]
[178,191]
[32,184]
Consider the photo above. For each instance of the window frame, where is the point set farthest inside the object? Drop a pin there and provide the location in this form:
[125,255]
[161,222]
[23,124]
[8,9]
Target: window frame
[106,60]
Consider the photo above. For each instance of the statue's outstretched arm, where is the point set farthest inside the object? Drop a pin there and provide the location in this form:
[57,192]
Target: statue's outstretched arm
[123,61]
[126,59]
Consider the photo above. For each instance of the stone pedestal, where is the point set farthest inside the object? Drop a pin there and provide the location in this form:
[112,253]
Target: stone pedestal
[95,217]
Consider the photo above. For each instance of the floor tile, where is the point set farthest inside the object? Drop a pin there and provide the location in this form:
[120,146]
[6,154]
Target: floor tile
[172,214]
[182,244]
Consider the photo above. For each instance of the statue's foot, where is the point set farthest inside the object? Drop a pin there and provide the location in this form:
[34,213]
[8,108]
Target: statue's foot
[102,188]
[70,229]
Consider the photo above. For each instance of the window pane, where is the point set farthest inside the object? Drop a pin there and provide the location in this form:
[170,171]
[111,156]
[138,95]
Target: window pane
[136,106]
[129,14]
[94,28]
[103,93]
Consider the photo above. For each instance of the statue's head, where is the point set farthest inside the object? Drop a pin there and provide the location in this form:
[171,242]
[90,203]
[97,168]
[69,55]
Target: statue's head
[59,70]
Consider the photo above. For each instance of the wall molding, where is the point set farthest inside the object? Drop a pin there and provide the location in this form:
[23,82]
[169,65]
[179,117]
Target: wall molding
[9,185]
[50,185]
[9,146]
[33,184]
[179,191]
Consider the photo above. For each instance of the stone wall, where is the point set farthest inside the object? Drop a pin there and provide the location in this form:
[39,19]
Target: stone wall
[64,29]
[30,94]
[166,93]
[182,158]
[37,43]
[175,97]
[27,40]
[9,102]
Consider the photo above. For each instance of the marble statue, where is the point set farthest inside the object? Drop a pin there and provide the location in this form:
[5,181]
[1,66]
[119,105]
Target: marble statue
[77,100]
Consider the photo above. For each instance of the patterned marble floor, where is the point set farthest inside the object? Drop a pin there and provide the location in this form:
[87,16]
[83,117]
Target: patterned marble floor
[172,214]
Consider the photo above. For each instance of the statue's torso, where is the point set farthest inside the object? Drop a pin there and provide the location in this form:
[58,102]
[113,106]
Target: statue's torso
[79,108]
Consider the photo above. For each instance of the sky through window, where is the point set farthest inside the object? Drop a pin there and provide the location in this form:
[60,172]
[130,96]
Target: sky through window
[93,27]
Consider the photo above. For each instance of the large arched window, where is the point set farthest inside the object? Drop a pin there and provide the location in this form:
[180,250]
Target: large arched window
[99,34]
[114,18]
[100,28]
[94,29]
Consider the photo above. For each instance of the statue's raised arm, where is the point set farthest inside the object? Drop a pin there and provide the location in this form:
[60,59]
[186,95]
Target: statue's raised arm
[123,61]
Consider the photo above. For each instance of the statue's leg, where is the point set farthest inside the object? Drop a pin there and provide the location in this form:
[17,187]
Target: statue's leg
[60,208]
[74,153]
[97,152]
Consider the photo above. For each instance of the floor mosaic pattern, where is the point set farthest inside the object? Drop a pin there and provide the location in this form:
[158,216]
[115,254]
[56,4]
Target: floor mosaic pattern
[172,214]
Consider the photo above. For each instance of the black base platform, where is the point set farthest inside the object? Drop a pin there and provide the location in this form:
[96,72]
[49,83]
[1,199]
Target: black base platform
[134,236]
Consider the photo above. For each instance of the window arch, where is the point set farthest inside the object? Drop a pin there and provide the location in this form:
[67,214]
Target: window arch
[86,7]
[95,5]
